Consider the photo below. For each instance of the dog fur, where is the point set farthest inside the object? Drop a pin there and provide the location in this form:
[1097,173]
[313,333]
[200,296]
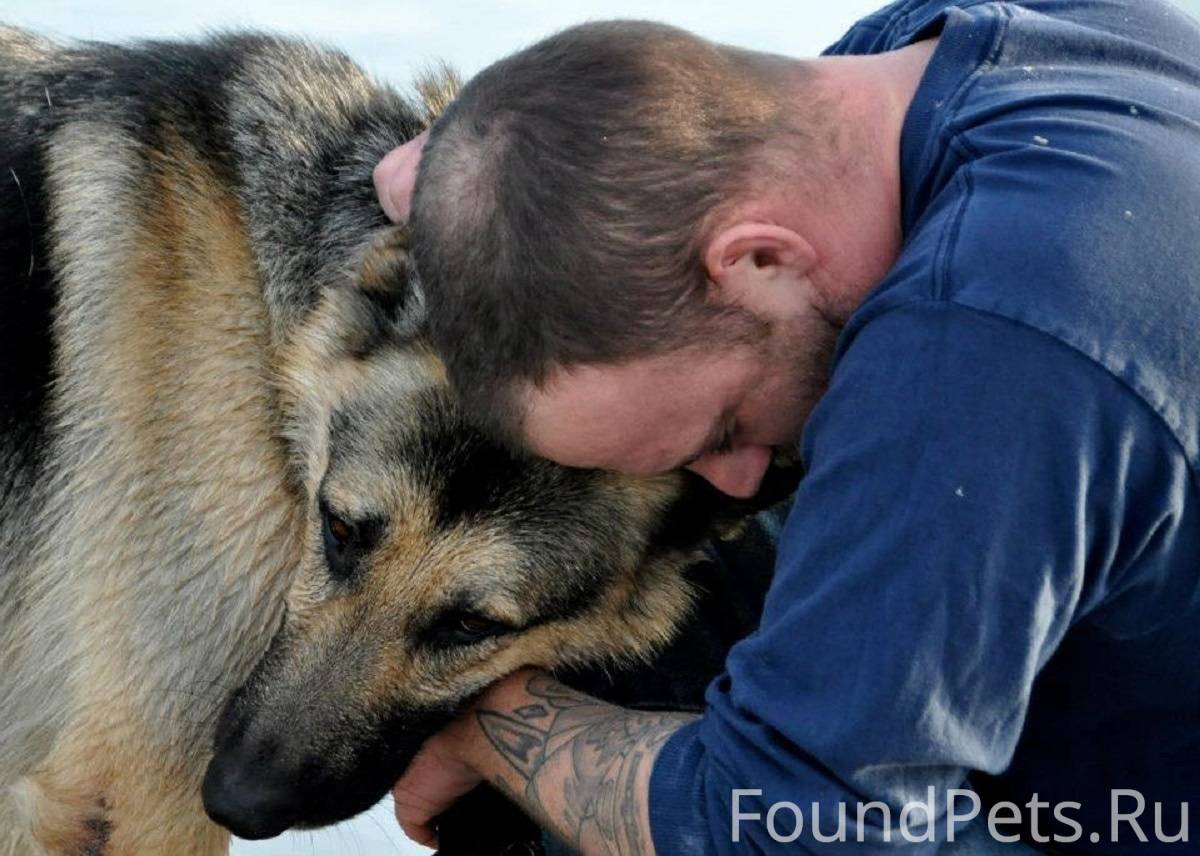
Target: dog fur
[212,363]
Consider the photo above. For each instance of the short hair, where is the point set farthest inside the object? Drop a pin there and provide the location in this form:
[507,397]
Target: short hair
[564,199]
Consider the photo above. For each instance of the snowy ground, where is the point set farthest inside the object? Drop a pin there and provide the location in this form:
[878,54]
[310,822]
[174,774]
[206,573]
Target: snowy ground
[372,834]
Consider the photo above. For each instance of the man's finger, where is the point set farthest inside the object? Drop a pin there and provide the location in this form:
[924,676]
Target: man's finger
[415,817]
[395,176]
[434,781]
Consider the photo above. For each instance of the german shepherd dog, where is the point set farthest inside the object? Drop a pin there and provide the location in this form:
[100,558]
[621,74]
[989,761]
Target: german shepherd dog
[249,548]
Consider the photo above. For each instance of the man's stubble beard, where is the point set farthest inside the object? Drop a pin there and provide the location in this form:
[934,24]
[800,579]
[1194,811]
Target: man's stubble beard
[802,350]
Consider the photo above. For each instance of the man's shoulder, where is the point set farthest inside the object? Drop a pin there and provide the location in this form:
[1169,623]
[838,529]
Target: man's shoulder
[894,26]
[901,22]
[1059,193]
[1139,352]
[1096,246]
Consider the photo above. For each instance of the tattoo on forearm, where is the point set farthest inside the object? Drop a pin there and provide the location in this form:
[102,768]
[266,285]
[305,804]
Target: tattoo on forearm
[589,755]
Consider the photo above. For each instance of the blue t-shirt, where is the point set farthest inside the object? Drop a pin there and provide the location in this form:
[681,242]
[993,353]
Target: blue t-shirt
[991,573]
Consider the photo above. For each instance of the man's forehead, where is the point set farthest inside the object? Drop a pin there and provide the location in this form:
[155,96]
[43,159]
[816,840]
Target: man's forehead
[613,388]
[578,407]
[623,416]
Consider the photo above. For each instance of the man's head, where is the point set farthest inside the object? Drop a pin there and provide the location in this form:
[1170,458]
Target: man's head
[612,228]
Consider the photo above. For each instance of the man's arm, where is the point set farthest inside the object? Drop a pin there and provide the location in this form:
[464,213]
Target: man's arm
[973,485]
[578,765]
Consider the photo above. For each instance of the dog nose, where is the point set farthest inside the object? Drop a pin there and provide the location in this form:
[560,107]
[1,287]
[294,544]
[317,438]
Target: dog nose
[242,793]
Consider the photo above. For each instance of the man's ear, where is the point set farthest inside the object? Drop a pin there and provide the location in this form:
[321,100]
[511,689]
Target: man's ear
[395,176]
[745,253]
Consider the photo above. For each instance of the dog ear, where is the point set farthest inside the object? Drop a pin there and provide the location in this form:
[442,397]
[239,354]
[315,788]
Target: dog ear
[386,274]
[390,306]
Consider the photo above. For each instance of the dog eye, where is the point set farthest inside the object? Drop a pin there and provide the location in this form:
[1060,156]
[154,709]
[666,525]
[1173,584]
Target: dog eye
[465,628]
[340,531]
[347,542]
[476,625]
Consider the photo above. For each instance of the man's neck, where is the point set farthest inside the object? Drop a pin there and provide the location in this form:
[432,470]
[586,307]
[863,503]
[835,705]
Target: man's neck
[857,225]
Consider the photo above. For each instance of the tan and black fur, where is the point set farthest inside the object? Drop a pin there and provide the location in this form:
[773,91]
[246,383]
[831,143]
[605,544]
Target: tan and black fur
[229,461]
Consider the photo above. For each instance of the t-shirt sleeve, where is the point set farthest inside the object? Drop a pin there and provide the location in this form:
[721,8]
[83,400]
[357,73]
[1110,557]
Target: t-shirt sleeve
[974,486]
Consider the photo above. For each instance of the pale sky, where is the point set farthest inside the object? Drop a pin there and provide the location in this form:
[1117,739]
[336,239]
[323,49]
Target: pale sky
[394,40]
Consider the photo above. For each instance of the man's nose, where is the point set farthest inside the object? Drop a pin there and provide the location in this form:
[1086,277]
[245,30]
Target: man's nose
[737,473]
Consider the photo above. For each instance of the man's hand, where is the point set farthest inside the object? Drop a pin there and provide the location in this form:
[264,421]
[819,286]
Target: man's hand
[395,176]
[434,781]
[579,766]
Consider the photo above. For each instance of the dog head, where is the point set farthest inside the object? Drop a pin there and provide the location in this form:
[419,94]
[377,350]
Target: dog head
[437,561]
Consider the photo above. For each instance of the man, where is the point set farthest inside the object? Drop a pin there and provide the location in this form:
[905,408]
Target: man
[958,260]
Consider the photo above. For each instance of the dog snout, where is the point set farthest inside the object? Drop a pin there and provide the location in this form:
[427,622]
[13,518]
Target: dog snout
[252,790]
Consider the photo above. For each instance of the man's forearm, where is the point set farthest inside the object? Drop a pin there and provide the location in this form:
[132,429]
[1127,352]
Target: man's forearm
[582,767]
